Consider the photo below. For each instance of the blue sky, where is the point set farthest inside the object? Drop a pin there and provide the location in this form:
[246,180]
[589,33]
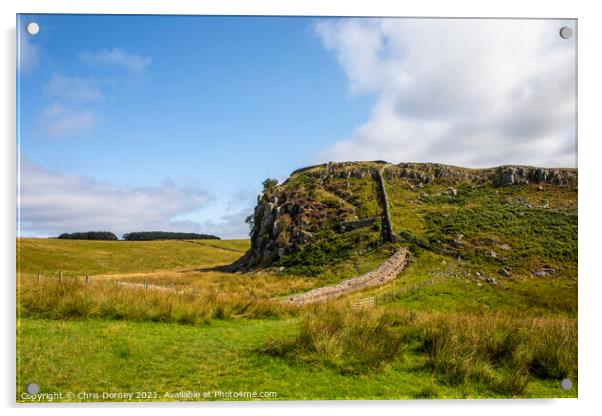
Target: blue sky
[157,122]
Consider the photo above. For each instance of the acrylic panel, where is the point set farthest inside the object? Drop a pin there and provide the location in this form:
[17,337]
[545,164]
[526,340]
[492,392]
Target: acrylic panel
[220,208]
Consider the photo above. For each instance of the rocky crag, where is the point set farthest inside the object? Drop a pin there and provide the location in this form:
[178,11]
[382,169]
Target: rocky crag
[345,196]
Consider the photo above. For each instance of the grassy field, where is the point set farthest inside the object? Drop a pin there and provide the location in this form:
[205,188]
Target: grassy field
[78,258]
[119,356]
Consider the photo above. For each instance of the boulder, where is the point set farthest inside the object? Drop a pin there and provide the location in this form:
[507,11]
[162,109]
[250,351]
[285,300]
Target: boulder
[451,191]
[545,271]
[505,272]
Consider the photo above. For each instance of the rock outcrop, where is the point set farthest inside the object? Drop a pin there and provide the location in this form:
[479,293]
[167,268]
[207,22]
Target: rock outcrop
[285,220]
[522,175]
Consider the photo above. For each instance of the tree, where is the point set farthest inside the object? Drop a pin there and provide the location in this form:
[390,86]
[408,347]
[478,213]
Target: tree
[269,185]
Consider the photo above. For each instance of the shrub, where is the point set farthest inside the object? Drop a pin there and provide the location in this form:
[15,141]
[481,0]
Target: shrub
[269,185]
[327,249]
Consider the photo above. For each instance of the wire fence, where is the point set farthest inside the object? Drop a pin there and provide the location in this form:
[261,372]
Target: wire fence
[392,296]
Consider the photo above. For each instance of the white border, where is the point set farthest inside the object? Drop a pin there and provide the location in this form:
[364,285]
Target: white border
[590,119]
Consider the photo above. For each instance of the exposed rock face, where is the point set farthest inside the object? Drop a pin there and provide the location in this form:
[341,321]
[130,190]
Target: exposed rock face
[421,174]
[425,173]
[522,175]
[283,222]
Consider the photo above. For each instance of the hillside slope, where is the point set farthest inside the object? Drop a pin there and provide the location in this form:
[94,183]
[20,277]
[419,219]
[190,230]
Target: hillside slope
[509,221]
[81,257]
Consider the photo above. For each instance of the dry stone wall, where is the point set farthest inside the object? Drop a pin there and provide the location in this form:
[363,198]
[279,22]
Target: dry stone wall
[384,273]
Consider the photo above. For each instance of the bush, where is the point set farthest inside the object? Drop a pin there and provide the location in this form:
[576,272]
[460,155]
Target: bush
[327,249]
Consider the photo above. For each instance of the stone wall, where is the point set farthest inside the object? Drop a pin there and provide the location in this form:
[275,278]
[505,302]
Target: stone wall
[352,225]
[384,273]
[387,228]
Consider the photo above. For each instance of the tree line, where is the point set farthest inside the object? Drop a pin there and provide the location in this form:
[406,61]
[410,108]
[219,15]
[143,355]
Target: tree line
[136,236]
[164,235]
[89,235]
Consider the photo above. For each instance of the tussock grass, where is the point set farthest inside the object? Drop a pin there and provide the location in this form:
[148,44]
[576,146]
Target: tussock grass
[464,347]
[350,340]
[73,299]
[499,352]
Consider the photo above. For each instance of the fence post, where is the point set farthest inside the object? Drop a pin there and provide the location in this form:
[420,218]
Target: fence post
[61,276]
[145,285]
[87,279]
[39,276]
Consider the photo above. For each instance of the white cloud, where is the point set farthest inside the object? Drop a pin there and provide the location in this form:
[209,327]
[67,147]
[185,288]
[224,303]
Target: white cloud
[458,91]
[228,226]
[116,57]
[73,88]
[53,203]
[59,120]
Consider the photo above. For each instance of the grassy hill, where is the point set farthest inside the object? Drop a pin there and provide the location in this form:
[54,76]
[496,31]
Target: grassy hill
[460,213]
[476,246]
[80,257]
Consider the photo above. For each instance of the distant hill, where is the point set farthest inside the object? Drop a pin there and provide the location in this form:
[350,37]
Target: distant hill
[163,235]
[78,258]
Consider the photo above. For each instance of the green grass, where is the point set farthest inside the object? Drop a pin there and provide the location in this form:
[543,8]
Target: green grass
[77,258]
[434,282]
[521,228]
[97,356]
[334,256]
[208,346]
[537,236]
[240,246]
[498,352]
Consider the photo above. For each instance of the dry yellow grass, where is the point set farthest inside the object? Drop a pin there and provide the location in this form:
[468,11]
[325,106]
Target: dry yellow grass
[210,298]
